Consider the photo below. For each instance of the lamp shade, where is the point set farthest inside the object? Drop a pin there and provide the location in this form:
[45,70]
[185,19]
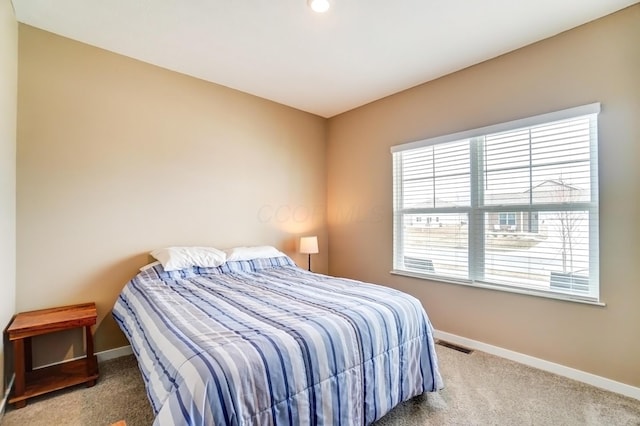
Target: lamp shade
[309,245]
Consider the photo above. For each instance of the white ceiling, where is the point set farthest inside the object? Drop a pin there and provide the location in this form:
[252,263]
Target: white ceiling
[359,51]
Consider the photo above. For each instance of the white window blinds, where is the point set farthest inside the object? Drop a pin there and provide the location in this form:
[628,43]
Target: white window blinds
[513,205]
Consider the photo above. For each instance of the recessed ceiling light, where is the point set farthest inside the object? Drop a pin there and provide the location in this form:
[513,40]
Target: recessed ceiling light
[319,6]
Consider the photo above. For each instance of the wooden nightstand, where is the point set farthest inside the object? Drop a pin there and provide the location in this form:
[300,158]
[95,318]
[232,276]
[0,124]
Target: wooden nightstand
[25,325]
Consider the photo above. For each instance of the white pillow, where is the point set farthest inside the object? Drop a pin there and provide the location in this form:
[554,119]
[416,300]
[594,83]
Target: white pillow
[248,253]
[176,258]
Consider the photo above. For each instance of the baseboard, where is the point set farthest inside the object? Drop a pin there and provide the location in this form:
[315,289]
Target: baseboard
[102,356]
[5,398]
[541,364]
[114,353]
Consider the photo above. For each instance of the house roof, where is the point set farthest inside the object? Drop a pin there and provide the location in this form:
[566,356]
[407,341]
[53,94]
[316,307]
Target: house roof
[554,183]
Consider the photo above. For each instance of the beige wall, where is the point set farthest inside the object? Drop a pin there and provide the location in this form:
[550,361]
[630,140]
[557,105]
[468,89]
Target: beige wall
[117,157]
[8,111]
[599,61]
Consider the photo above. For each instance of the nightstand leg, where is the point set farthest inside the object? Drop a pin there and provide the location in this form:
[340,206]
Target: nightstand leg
[18,359]
[92,364]
[28,355]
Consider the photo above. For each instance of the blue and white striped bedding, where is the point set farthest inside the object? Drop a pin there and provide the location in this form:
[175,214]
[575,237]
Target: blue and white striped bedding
[263,342]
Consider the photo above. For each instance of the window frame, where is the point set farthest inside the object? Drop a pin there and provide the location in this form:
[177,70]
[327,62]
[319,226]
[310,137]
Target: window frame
[476,211]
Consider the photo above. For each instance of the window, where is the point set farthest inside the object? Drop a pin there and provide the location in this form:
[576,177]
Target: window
[507,219]
[512,206]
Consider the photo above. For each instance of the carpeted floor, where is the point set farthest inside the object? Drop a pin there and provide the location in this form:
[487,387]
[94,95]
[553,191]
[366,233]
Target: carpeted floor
[480,390]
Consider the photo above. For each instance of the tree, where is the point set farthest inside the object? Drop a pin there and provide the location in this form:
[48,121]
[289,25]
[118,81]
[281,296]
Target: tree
[568,221]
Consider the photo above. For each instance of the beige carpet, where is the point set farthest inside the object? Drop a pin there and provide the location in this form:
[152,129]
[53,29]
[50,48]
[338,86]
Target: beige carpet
[480,390]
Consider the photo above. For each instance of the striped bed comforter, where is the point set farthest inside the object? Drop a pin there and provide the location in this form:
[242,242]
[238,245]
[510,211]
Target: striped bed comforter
[263,342]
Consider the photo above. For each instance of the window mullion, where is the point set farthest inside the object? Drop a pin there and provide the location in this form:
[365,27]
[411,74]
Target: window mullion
[594,219]
[433,174]
[398,217]
[476,215]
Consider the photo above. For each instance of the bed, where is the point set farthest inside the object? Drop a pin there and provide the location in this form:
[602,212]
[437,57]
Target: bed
[263,342]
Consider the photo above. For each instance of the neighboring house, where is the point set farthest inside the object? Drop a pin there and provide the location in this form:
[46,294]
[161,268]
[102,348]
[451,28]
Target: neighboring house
[548,191]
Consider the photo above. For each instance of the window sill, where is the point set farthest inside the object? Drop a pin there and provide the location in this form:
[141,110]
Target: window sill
[525,291]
